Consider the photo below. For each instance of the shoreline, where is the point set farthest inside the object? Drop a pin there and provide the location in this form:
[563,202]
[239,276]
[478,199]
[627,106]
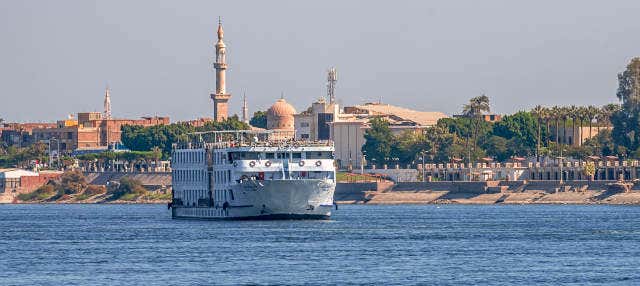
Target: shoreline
[420,193]
[376,203]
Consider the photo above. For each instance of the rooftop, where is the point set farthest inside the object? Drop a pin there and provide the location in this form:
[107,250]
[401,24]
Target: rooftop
[15,173]
[423,118]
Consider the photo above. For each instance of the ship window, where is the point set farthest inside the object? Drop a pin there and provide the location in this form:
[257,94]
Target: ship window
[319,155]
[270,155]
[244,156]
[283,155]
[296,155]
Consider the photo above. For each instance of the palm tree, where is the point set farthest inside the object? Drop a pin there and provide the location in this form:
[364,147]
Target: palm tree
[476,106]
[545,114]
[474,109]
[555,114]
[592,114]
[582,116]
[538,112]
[564,115]
[572,112]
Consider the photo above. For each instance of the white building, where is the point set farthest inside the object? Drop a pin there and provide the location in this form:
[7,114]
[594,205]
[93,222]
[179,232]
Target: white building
[315,122]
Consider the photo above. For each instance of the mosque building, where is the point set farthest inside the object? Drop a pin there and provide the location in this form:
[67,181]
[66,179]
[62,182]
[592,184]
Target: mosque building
[280,117]
[324,119]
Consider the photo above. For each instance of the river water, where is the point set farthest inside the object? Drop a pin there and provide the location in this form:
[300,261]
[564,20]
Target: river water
[362,244]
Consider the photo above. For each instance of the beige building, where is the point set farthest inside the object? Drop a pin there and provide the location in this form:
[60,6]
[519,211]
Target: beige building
[347,131]
[575,136]
[315,122]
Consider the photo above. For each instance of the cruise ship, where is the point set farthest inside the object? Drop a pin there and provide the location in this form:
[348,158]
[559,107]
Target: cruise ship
[252,175]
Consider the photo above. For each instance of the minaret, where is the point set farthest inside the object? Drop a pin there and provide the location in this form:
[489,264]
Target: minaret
[245,109]
[221,97]
[107,104]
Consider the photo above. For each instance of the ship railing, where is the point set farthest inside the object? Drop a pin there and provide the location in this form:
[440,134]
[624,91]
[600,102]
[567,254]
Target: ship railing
[246,138]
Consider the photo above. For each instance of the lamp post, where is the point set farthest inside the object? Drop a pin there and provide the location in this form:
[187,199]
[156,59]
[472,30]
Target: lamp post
[423,178]
[362,162]
[57,153]
[561,163]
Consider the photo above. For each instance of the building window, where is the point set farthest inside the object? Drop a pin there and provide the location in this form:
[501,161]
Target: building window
[304,124]
[304,136]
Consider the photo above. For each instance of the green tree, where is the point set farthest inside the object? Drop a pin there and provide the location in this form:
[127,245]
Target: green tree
[629,86]
[590,170]
[409,146]
[498,147]
[602,144]
[14,156]
[138,138]
[259,119]
[476,106]
[626,117]
[521,127]
[378,140]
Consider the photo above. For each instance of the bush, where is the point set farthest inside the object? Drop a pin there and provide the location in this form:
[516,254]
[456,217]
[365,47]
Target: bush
[73,182]
[40,193]
[90,191]
[127,189]
[158,196]
[93,190]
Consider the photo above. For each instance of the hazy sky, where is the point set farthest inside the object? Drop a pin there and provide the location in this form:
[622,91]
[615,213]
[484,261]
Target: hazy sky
[57,56]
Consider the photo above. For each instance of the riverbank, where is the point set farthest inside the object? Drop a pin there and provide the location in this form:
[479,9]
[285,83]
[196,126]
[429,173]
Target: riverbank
[444,197]
[389,193]
[99,199]
[491,192]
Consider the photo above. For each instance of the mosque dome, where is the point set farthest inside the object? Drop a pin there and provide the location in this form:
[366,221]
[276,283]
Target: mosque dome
[280,115]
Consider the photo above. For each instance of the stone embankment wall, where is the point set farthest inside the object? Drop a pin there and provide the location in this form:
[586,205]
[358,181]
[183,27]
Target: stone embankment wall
[492,192]
[148,179]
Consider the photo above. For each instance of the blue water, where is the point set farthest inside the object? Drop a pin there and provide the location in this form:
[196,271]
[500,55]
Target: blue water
[446,244]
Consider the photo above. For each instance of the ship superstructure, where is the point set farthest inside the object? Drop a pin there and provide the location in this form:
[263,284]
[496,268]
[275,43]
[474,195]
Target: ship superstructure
[252,175]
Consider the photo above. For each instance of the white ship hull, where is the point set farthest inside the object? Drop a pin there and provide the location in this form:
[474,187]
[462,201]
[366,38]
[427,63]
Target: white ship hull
[269,199]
